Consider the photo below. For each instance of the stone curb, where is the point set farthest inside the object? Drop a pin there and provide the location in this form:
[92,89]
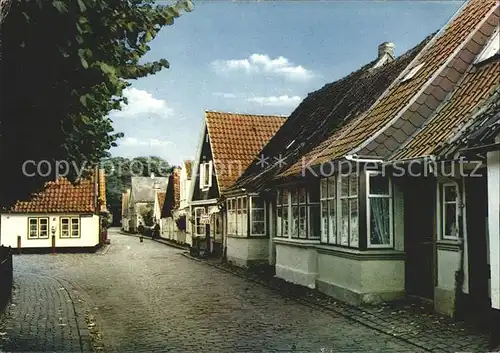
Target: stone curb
[103,250]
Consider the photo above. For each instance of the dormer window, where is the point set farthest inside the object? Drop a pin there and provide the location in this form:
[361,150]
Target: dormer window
[412,72]
[206,175]
[491,49]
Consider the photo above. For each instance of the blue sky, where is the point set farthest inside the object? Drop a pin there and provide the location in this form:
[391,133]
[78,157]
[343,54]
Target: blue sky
[258,57]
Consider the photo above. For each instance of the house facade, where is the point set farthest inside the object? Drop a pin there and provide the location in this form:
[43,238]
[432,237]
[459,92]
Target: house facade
[173,216]
[125,208]
[176,211]
[364,203]
[62,215]
[228,144]
[141,203]
[158,206]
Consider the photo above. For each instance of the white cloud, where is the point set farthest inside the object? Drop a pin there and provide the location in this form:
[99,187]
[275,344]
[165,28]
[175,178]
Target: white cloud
[225,95]
[260,63]
[276,101]
[142,104]
[134,141]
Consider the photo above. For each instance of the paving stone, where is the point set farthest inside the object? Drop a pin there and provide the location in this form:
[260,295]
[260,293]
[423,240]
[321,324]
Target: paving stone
[147,297]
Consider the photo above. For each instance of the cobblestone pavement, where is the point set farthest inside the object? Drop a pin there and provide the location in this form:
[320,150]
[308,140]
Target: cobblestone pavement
[44,315]
[410,320]
[146,297]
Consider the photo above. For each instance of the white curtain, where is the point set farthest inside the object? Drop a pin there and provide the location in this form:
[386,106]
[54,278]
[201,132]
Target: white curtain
[380,220]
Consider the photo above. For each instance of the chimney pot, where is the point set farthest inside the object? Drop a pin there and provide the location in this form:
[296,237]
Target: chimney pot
[386,48]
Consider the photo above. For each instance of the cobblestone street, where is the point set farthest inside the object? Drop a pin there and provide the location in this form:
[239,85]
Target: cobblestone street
[144,297]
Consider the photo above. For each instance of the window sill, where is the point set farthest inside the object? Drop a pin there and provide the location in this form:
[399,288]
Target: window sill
[356,254]
[448,244]
[296,242]
[237,236]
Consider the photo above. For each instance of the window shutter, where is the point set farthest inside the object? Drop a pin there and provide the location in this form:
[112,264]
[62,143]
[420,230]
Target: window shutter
[210,168]
[202,175]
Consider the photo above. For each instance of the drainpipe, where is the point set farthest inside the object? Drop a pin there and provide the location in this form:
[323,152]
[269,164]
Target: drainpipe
[460,274]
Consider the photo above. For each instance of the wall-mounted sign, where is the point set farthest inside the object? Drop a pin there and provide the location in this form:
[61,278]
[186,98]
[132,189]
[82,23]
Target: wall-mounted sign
[205,219]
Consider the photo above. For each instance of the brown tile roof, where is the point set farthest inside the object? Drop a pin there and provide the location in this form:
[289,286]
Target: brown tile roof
[173,194]
[482,129]
[102,190]
[236,139]
[477,86]
[61,196]
[176,178]
[322,114]
[188,167]
[434,56]
[161,199]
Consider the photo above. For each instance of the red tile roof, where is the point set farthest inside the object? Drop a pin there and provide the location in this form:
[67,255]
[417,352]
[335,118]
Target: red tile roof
[236,139]
[102,190]
[61,196]
[177,187]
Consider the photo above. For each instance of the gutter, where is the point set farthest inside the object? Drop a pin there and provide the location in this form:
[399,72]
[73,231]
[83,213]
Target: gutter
[481,149]
[363,159]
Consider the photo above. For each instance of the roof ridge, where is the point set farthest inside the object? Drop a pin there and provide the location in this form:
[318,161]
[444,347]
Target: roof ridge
[246,114]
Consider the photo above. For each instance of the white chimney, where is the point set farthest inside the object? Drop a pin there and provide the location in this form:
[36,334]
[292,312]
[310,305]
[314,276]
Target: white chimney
[386,48]
[152,175]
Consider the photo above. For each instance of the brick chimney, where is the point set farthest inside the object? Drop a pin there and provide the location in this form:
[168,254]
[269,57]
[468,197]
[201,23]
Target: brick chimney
[386,48]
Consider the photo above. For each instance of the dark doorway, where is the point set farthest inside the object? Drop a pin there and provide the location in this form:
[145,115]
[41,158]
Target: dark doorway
[419,215]
[476,206]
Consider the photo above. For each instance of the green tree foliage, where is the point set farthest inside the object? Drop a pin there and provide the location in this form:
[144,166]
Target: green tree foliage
[64,66]
[119,172]
[146,213]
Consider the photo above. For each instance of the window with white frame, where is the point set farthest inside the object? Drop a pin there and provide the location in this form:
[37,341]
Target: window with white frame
[237,216]
[379,210]
[328,210]
[242,218]
[206,175]
[339,196]
[231,216]
[199,227]
[38,228]
[257,216]
[297,213]
[491,49]
[412,72]
[70,227]
[449,210]
[348,207]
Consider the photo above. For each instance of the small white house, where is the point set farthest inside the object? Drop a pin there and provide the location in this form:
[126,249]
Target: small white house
[62,215]
[142,199]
